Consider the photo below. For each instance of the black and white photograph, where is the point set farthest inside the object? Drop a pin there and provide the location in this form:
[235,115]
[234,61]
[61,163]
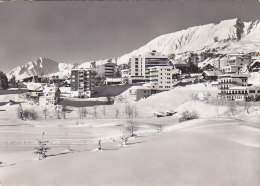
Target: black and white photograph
[130,93]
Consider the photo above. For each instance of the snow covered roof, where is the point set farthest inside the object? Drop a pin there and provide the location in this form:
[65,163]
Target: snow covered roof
[174,62]
[234,75]
[212,73]
[50,89]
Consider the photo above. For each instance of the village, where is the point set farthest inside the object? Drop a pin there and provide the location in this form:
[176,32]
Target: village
[136,93]
[144,76]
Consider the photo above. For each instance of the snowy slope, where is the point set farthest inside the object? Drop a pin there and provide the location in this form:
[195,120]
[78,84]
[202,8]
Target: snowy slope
[229,36]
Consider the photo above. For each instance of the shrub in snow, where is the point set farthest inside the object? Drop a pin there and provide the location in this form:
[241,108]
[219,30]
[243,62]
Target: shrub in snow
[29,114]
[188,115]
[26,114]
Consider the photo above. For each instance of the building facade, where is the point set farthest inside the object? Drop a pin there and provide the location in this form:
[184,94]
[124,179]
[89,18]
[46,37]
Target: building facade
[82,82]
[51,96]
[234,62]
[233,86]
[139,92]
[107,70]
[139,65]
[161,77]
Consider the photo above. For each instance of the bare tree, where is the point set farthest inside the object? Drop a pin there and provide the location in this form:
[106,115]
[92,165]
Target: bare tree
[232,107]
[116,112]
[109,99]
[95,111]
[124,138]
[247,106]
[131,114]
[63,112]
[58,114]
[44,111]
[120,99]
[20,112]
[82,113]
[104,110]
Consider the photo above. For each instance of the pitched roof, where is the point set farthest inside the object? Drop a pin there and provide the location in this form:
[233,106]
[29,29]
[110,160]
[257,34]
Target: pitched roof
[212,73]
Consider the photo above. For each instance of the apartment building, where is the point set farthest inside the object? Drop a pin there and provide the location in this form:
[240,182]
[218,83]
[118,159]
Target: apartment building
[161,77]
[234,62]
[233,86]
[107,70]
[82,82]
[238,59]
[137,66]
[140,65]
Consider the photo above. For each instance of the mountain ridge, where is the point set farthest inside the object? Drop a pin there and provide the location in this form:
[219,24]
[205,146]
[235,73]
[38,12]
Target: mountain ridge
[225,37]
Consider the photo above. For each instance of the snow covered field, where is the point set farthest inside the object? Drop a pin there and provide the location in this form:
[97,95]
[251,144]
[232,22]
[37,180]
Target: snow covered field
[219,148]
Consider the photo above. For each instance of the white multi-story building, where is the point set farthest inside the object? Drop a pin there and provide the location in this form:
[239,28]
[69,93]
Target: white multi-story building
[161,77]
[233,86]
[140,65]
[137,66]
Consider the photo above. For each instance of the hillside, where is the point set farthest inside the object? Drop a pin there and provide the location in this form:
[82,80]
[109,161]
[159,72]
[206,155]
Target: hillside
[228,36]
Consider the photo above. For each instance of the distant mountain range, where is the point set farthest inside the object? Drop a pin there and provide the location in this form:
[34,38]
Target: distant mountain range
[228,36]
[40,67]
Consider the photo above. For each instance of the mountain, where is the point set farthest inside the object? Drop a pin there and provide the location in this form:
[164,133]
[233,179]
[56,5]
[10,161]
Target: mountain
[229,36]
[40,67]
[209,42]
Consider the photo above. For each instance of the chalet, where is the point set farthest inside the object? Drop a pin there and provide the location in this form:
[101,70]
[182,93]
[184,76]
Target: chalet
[181,65]
[211,75]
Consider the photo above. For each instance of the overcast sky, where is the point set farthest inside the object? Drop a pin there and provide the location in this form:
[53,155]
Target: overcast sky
[76,32]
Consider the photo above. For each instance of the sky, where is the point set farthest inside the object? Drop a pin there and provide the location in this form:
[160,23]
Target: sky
[80,31]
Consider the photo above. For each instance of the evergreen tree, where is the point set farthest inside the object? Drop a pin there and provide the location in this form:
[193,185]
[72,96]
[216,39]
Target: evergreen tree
[3,81]
[42,148]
